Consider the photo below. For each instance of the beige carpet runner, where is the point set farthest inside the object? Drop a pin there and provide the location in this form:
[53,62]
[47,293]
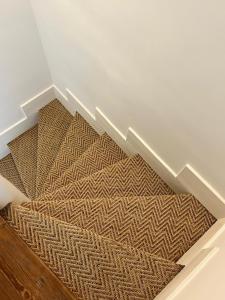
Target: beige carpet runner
[54,121]
[156,224]
[106,224]
[129,177]
[79,137]
[9,170]
[94,267]
[25,159]
[103,153]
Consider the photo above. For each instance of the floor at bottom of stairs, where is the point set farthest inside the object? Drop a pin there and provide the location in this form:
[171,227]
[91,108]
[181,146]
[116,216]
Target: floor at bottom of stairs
[22,274]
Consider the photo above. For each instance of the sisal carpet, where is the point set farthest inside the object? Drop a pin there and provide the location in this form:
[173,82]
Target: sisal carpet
[129,177]
[166,226]
[79,137]
[92,266]
[103,153]
[106,224]
[9,170]
[25,159]
[54,121]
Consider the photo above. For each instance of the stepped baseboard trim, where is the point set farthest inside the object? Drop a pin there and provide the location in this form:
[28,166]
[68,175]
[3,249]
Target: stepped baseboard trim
[188,274]
[187,180]
[29,111]
[85,113]
[64,100]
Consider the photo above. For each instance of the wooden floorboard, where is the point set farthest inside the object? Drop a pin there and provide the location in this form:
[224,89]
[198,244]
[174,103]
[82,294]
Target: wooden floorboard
[7,290]
[22,273]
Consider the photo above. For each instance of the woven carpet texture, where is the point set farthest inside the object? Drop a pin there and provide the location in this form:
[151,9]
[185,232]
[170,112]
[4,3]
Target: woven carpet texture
[105,223]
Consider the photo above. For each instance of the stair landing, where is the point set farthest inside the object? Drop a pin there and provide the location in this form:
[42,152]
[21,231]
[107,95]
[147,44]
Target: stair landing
[22,274]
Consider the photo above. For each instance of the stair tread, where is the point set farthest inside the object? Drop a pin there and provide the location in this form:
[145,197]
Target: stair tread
[54,121]
[92,266]
[101,154]
[129,177]
[167,226]
[9,171]
[80,135]
[24,153]
[105,224]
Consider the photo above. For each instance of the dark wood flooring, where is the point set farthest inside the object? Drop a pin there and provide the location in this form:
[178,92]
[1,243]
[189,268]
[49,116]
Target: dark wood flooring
[22,273]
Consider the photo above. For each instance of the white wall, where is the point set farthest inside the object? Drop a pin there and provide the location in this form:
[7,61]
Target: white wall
[156,65]
[23,66]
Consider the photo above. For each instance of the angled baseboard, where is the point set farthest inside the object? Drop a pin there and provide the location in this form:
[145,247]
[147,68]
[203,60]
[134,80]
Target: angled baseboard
[187,180]
[29,110]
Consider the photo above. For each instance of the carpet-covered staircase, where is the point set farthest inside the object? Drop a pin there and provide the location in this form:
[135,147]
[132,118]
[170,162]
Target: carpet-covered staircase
[105,224]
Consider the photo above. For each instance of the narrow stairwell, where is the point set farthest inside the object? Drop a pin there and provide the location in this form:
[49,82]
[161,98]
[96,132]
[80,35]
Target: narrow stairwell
[105,224]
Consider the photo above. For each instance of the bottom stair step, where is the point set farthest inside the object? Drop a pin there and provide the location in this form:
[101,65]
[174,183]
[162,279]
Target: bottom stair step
[167,226]
[92,266]
[22,274]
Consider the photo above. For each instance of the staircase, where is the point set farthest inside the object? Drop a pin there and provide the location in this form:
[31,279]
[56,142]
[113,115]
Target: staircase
[104,223]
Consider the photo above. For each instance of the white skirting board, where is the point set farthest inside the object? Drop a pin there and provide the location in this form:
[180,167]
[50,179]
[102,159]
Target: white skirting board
[187,180]
[29,110]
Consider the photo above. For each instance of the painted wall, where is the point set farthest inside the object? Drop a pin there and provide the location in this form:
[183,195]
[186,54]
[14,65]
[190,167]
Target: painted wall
[23,66]
[158,66]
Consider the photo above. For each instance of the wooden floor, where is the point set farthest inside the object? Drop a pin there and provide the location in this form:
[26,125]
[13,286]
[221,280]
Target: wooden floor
[22,274]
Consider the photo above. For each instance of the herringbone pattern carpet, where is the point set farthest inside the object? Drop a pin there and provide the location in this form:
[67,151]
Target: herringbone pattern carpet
[130,177]
[103,153]
[54,121]
[79,137]
[166,226]
[106,224]
[25,159]
[92,266]
[9,171]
